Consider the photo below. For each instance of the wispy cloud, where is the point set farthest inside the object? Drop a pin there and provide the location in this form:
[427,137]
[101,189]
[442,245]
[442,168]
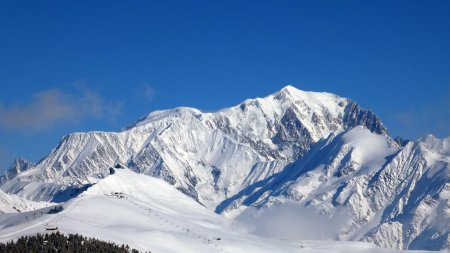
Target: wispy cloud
[432,117]
[146,91]
[50,107]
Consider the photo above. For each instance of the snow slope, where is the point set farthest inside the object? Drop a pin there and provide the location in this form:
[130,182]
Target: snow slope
[395,198]
[155,216]
[415,190]
[10,203]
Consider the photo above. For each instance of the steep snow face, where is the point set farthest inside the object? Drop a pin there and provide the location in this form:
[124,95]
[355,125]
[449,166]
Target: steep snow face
[151,215]
[396,198]
[415,190]
[291,120]
[208,156]
[325,176]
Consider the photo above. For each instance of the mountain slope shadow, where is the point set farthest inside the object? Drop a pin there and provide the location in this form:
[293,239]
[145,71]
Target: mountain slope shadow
[69,193]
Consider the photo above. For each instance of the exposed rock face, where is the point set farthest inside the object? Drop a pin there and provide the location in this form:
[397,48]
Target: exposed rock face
[355,115]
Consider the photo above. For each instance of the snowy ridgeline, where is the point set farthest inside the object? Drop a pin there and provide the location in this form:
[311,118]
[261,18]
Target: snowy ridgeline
[322,163]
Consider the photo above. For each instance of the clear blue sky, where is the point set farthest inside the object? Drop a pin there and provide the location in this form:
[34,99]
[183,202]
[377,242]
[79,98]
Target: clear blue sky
[99,65]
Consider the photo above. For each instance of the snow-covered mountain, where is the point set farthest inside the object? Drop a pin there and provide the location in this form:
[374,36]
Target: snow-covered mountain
[208,156]
[313,149]
[395,198]
[151,215]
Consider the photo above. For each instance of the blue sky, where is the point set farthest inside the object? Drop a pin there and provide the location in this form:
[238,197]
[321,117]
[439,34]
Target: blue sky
[99,65]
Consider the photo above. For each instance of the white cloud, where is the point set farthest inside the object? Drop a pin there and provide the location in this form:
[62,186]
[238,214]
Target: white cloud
[432,117]
[146,91]
[54,106]
[292,221]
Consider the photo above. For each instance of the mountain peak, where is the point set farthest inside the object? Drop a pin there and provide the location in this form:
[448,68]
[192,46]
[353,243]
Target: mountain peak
[290,91]
[161,114]
[290,88]
[17,166]
[283,125]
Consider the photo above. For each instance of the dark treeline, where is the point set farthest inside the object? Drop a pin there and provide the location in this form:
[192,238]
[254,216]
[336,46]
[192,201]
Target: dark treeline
[56,242]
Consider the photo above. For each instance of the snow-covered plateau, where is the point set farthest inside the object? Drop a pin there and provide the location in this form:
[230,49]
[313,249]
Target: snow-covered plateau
[295,171]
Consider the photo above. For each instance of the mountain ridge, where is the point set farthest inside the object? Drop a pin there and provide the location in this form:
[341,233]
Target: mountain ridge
[315,149]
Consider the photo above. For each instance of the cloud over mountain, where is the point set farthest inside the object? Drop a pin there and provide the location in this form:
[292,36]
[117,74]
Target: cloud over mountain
[54,106]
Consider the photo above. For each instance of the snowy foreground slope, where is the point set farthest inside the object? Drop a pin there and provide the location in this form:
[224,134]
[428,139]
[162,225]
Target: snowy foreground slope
[292,154]
[151,222]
